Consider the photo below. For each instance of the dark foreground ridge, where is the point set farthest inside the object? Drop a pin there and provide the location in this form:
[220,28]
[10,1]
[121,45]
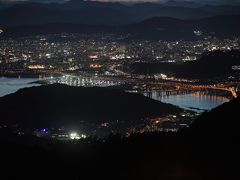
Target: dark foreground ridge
[62,105]
[206,150]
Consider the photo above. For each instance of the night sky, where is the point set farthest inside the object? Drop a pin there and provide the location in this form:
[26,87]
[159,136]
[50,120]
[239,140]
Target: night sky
[200,1]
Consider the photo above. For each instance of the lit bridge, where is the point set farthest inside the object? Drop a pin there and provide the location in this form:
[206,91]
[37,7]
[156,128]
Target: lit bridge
[171,89]
[232,90]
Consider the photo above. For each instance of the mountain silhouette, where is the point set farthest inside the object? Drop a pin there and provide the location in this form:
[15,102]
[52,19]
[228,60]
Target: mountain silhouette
[60,105]
[165,28]
[107,13]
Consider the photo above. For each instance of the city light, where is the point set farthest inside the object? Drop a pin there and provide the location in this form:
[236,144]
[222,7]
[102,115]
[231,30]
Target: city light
[76,136]
[93,57]
[95,66]
[37,66]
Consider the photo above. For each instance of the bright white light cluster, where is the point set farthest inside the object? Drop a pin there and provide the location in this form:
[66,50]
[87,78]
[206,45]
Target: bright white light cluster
[76,136]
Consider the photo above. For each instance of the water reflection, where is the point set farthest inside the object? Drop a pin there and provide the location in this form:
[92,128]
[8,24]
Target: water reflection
[11,85]
[196,101]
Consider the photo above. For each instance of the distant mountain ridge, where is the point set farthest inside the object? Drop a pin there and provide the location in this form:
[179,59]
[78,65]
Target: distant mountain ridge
[165,28]
[107,13]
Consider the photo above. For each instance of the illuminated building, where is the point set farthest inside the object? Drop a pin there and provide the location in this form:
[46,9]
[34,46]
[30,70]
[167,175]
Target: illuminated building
[93,57]
[37,66]
[95,66]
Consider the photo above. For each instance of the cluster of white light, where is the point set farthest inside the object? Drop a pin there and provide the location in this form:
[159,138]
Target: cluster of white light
[76,136]
[160,76]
